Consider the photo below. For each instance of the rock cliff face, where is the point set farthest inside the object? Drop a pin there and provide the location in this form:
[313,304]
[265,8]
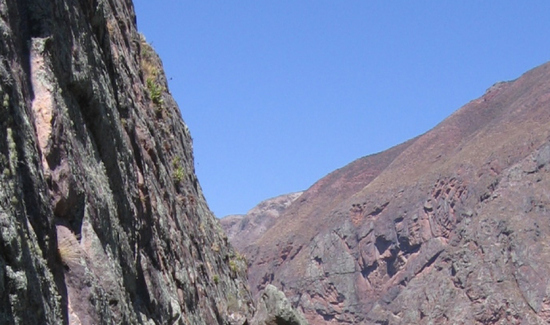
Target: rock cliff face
[102,219]
[448,228]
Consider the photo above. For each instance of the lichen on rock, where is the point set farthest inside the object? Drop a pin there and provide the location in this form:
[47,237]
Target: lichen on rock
[97,224]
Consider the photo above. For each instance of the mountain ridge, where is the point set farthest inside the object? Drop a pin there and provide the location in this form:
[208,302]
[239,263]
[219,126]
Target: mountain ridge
[354,260]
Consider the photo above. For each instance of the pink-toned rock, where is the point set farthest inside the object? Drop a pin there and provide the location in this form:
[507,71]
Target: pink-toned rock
[447,228]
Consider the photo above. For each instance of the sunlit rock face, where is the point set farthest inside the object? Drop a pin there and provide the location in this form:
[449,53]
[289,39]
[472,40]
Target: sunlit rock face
[243,229]
[102,219]
[450,227]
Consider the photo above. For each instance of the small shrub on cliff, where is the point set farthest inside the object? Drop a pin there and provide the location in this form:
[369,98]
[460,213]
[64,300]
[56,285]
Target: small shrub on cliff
[69,250]
[179,174]
[155,92]
[233,265]
[176,162]
[238,264]
[179,171]
[148,65]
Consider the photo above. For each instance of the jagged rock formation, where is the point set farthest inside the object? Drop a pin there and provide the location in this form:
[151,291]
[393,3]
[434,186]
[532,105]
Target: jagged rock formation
[243,229]
[447,228]
[102,219]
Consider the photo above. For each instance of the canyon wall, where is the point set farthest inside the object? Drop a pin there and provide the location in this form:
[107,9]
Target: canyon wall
[450,227]
[102,218]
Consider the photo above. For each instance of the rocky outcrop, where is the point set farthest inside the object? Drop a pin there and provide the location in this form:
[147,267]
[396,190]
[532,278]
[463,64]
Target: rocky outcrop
[275,309]
[102,219]
[447,228]
[247,228]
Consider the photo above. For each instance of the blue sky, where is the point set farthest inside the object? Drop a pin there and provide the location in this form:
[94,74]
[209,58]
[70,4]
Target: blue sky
[277,94]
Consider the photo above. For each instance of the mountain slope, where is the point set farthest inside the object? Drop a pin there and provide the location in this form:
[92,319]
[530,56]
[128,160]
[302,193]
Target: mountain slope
[244,229]
[445,228]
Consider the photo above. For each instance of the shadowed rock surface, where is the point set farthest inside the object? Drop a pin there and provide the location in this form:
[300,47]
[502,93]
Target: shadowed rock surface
[448,228]
[102,219]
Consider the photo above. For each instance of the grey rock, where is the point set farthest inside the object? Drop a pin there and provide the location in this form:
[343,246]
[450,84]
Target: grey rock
[275,309]
[102,218]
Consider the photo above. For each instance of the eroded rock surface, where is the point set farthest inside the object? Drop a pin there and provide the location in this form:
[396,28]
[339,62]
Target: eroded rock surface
[447,228]
[102,219]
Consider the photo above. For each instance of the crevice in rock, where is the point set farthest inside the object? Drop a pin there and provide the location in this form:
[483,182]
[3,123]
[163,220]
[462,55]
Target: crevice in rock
[382,244]
[391,266]
[430,261]
[378,209]
[368,270]
[406,247]
[326,317]
[21,10]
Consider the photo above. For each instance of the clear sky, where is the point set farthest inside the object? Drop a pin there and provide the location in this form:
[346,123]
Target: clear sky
[277,94]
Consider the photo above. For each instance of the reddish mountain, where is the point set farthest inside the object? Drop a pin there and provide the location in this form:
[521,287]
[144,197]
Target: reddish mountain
[446,228]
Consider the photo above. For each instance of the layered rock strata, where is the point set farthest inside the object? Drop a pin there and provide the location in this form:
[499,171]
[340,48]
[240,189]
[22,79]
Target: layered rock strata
[447,228]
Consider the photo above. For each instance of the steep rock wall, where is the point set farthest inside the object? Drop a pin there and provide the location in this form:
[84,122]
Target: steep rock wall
[102,219]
